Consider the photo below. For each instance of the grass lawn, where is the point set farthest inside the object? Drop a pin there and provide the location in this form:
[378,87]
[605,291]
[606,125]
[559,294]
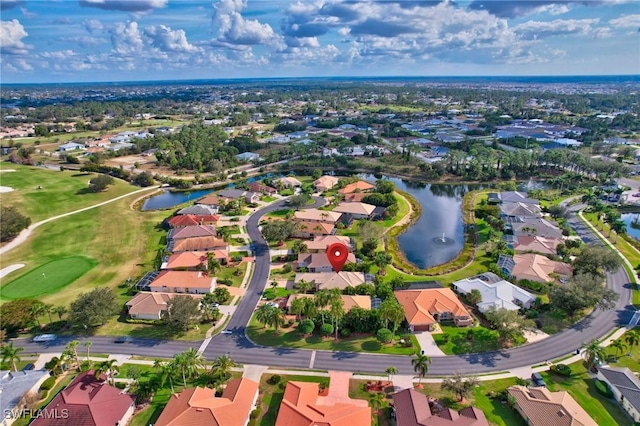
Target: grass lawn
[48,278]
[357,391]
[147,371]
[234,273]
[629,358]
[464,340]
[277,292]
[268,199]
[118,327]
[279,213]
[604,411]
[290,338]
[271,396]
[6,366]
[150,414]
[497,412]
[61,191]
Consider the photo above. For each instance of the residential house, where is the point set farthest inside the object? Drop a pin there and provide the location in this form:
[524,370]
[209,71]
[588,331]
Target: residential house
[501,294]
[290,182]
[240,194]
[319,262]
[199,209]
[325,183]
[88,401]
[197,244]
[213,201]
[192,282]
[532,226]
[412,408]
[314,229]
[425,308]
[300,406]
[356,210]
[518,209]
[259,188]
[184,220]
[192,231]
[201,406]
[71,146]
[355,197]
[315,215]
[330,280]
[534,267]
[537,244]
[625,387]
[148,305]
[194,260]
[348,302]
[538,406]
[516,197]
[320,244]
[13,386]
[359,186]
[249,156]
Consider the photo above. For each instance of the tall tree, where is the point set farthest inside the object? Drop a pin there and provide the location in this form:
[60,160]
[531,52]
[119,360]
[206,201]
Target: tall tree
[166,372]
[593,352]
[94,307]
[618,345]
[391,311]
[60,311]
[632,338]
[508,324]
[107,367]
[12,222]
[87,345]
[377,402]
[10,354]
[222,366]
[182,312]
[390,372]
[596,260]
[583,291]
[36,311]
[421,365]
[459,385]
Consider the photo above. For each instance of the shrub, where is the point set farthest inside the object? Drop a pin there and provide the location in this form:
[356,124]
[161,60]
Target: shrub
[256,413]
[531,313]
[603,389]
[306,326]
[445,337]
[48,383]
[326,329]
[43,394]
[287,268]
[345,332]
[384,335]
[274,380]
[121,385]
[561,370]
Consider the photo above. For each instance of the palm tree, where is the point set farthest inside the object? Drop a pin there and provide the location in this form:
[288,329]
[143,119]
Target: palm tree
[191,362]
[322,299]
[632,338]
[377,402]
[54,364]
[298,306]
[107,367]
[421,365]
[618,345]
[390,372]
[222,366]
[87,345]
[594,352]
[277,318]
[263,314]
[48,309]
[72,350]
[620,228]
[303,286]
[166,372]
[10,354]
[274,284]
[60,311]
[213,264]
[35,311]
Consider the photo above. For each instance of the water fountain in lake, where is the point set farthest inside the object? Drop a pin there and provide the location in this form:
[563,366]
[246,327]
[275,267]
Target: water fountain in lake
[443,240]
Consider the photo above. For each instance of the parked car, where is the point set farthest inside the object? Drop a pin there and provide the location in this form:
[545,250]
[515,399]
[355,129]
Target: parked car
[121,339]
[28,367]
[537,380]
[45,338]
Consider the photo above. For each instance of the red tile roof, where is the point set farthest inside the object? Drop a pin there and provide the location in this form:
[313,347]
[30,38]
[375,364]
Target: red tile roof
[183,220]
[359,186]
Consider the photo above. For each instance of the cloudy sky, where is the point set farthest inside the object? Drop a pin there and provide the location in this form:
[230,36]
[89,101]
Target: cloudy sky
[115,40]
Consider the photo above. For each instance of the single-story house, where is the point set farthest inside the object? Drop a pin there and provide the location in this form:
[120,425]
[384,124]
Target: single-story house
[192,231]
[355,197]
[519,209]
[359,186]
[356,210]
[325,183]
[320,243]
[199,209]
[516,197]
[261,189]
[329,280]
[89,401]
[213,201]
[192,282]
[240,194]
[533,267]
[412,408]
[184,220]
[538,406]
[148,305]
[13,386]
[425,308]
[301,406]
[201,406]
[249,156]
[535,243]
[290,182]
[71,146]
[625,386]
[193,260]
[314,229]
[348,302]
[319,262]
[315,215]
[197,244]
[532,226]
[502,294]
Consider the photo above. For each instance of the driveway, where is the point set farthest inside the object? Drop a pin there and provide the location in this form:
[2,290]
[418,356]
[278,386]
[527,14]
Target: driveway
[427,344]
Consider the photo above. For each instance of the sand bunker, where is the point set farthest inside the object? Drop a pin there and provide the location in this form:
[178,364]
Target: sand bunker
[5,189]
[7,170]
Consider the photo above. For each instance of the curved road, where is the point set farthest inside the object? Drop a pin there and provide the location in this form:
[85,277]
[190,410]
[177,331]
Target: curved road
[244,351]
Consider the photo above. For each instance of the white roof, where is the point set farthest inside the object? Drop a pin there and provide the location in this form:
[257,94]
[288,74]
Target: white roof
[500,294]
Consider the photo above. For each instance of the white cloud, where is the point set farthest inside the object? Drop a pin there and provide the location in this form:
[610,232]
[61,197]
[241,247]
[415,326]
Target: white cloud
[134,6]
[93,26]
[23,65]
[236,31]
[25,12]
[541,29]
[11,35]
[627,21]
[127,39]
[166,39]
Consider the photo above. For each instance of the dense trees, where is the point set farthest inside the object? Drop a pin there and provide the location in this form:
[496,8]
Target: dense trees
[583,291]
[11,222]
[596,260]
[278,230]
[509,325]
[16,314]
[94,307]
[100,183]
[182,312]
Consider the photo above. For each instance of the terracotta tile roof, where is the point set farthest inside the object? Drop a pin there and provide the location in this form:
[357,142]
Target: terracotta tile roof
[538,244]
[355,196]
[151,303]
[322,242]
[200,406]
[326,182]
[320,260]
[199,244]
[315,228]
[543,407]
[420,305]
[329,280]
[183,279]
[213,200]
[193,231]
[258,187]
[315,215]
[187,259]
[183,220]
[348,302]
[359,186]
[412,409]
[355,208]
[536,267]
[89,402]
[299,407]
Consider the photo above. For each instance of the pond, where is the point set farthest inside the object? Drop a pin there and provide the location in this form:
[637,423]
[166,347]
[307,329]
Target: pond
[423,243]
[169,199]
[632,220]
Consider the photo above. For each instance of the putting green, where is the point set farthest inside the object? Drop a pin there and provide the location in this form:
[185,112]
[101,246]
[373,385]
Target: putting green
[47,278]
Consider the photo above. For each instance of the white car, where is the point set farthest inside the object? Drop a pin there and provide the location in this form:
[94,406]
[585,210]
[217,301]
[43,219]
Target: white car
[45,338]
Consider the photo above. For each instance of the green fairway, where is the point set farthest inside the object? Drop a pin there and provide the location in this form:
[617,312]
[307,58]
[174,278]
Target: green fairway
[48,278]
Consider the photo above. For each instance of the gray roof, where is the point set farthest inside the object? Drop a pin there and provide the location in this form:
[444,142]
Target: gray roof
[14,384]
[198,209]
[232,193]
[625,381]
[516,197]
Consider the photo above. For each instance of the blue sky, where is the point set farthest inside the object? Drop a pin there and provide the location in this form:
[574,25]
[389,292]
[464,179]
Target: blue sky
[116,40]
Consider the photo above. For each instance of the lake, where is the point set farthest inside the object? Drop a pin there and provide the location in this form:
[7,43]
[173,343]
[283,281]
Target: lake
[169,199]
[628,218]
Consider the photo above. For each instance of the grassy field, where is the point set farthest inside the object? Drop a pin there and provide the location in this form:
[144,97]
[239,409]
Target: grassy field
[48,278]
[290,338]
[61,191]
[463,340]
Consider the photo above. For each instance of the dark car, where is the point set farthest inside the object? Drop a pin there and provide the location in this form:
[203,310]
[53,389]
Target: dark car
[537,380]
[28,367]
[121,339]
